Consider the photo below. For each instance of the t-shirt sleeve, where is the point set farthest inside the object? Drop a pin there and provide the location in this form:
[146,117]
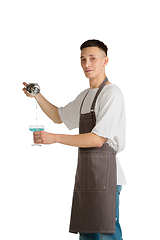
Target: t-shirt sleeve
[109,114]
[69,115]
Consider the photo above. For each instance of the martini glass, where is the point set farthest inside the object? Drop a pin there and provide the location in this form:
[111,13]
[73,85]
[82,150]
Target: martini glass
[34,128]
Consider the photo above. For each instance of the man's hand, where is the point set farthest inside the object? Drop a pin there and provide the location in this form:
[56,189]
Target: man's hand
[25,91]
[44,137]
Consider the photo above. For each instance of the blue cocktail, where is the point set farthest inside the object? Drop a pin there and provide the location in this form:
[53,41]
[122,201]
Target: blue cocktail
[35,128]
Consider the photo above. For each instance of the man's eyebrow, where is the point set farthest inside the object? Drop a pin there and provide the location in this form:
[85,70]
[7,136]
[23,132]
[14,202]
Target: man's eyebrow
[89,56]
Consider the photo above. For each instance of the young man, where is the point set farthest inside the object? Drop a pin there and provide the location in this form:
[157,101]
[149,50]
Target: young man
[99,113]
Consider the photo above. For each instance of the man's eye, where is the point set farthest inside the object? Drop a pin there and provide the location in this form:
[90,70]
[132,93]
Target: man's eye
[93,59]
[82,60]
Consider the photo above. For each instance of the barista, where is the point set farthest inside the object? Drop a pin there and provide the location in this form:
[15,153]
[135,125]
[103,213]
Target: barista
[99,113]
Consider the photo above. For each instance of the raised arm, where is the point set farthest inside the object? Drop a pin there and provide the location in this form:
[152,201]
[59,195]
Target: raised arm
[49,109]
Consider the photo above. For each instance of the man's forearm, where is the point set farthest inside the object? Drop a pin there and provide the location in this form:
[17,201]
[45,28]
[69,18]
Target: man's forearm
[49,109]
[82,140]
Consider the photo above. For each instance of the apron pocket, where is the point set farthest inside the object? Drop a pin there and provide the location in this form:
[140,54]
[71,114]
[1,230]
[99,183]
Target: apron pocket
[92,171]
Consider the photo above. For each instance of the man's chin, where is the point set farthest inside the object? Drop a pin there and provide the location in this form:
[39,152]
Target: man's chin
[89,74]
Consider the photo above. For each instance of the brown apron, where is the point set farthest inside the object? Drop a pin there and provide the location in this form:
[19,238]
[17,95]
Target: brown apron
[94,197]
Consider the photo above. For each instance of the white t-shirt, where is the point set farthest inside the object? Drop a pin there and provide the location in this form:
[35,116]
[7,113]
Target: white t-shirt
[110,118]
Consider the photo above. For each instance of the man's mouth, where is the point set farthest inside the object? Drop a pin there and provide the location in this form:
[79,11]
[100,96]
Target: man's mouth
[89,70]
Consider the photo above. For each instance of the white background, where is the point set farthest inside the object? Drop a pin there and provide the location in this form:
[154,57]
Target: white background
[39,42]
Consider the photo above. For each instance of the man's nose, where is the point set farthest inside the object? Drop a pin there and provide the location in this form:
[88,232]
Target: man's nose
[87,64]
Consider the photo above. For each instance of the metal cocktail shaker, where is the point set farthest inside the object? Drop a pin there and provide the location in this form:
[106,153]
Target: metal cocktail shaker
[33,88]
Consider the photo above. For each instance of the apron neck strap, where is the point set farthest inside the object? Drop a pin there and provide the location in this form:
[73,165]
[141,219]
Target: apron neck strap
[83,101]
[98,92]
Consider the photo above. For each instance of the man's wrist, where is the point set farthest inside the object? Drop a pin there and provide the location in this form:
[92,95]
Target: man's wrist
[57,138]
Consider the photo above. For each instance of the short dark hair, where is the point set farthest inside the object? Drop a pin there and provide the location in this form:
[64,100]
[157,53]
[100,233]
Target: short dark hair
[94,43]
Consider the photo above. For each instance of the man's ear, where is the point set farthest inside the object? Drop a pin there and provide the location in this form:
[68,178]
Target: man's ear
[105,61]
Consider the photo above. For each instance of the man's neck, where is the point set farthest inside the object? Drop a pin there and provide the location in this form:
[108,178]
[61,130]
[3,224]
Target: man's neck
[96,82]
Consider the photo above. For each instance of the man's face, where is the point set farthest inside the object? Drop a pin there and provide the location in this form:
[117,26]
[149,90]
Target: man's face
[93,62]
